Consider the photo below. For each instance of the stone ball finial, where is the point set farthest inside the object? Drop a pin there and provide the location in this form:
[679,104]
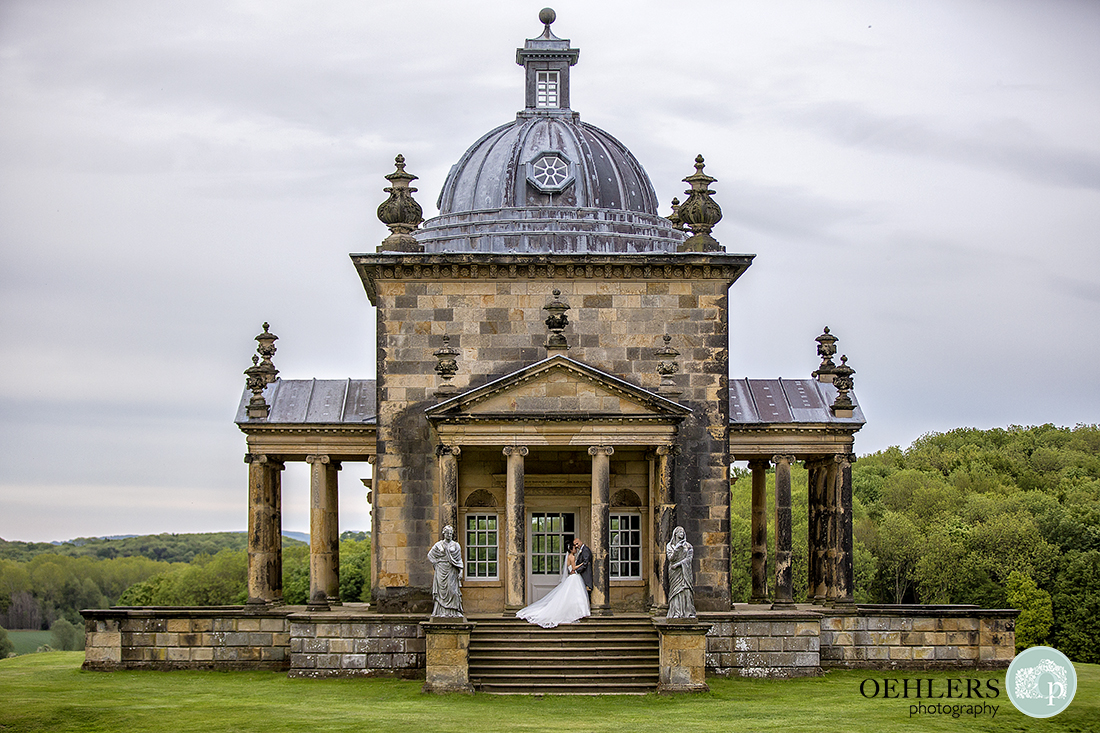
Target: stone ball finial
[547,16]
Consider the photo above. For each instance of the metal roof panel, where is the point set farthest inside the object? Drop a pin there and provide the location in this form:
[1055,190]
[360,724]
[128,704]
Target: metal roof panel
[771,402]
[326,401]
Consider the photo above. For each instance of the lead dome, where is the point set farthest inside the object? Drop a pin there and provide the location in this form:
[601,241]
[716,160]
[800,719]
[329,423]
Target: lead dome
[547,182]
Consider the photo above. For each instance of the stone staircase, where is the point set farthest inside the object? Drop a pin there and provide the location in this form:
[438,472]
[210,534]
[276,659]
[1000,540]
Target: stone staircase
[612,655]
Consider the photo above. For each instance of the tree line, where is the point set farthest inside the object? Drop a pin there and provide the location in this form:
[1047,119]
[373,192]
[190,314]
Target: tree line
[1001,518]
[222,579]
[165,547]
[54,582]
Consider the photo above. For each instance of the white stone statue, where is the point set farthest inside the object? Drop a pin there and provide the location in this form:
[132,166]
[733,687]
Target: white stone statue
[446,556]
[681,579]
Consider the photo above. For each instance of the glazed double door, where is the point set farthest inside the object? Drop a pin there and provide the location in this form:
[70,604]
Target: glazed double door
[547,534]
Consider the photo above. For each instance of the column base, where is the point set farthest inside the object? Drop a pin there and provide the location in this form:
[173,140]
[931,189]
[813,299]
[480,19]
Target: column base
[783,606]
[601,611]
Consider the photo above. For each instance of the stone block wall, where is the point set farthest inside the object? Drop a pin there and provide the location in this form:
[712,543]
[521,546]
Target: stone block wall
[182,638]
[776,645]
[491,307]
[919,637]
[341,645]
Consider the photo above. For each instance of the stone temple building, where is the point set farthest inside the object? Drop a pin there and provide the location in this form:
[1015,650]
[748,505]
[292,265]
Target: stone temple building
[552,361]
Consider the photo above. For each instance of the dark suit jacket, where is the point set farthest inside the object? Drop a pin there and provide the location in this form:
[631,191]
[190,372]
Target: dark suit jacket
[583,564]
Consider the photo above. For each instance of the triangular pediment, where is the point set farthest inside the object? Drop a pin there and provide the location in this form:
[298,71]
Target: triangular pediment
[558,388]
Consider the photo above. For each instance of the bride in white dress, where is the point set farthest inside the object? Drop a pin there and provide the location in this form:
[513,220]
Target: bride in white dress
[566,603]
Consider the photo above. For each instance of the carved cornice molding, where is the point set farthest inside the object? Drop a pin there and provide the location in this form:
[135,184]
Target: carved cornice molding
[566,266]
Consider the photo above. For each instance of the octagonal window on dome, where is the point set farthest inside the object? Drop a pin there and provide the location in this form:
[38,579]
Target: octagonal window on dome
[550,172]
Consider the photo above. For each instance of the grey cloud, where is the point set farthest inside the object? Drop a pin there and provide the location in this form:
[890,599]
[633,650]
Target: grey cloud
[1019,150]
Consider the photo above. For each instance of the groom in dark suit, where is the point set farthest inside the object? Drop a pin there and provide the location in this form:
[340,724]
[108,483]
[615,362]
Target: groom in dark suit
[582,562]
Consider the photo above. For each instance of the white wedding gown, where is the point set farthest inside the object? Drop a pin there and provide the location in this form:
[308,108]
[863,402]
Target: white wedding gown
[566,603]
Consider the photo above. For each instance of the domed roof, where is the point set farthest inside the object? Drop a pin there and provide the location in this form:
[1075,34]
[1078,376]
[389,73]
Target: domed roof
[548,182]
[544,160]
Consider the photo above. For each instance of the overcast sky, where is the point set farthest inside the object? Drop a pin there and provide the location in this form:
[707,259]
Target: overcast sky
[923,177]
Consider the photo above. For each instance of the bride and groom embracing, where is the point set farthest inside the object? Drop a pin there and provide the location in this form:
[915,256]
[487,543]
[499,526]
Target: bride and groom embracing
[568,601]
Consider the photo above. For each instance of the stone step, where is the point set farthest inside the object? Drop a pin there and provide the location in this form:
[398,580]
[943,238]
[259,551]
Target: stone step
[569,668]
[567,688]
[526,652]
[595,656]
[561,640]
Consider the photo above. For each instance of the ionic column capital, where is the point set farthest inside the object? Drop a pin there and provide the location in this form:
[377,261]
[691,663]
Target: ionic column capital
[448,450]
[262,458]
[759,463]
[515,450]
[605,450]
[783,458]
[668,450]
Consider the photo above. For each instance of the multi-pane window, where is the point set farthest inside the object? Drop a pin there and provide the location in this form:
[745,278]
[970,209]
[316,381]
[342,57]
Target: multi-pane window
[549,533]
[626,546]
[481,546]
[546,89]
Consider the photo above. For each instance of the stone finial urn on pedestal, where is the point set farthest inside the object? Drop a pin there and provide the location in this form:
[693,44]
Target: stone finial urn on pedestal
[400,212]
[699,212]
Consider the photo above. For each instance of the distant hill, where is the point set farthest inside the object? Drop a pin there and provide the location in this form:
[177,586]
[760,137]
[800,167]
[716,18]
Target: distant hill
[165,547]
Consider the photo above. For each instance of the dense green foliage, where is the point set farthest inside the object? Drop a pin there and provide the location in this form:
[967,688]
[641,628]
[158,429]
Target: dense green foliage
[48,692]
[35,593]
[6,645]
[41,582]
[998,518]
[221,580]
[66,637]
[164,547]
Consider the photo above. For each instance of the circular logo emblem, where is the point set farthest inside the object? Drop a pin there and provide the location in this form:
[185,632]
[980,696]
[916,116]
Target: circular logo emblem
[1041,682]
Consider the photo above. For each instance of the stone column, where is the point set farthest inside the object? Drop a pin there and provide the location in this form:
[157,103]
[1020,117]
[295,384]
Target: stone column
[601,518]
[784,588]
[845,582]
[376,554]
[817,531]
[759,531]
[832,525]
[448,487]
[324,531]
[265,530]
[664,519]
[515,532]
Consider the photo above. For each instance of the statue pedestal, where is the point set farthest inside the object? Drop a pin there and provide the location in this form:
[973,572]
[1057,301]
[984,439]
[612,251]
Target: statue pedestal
[683,655]
[447,655]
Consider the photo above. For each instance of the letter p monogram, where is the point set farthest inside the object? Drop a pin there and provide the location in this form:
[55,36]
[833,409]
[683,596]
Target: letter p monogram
[1061,691]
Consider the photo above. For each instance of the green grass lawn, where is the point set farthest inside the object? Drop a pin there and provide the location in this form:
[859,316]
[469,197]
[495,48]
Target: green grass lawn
[48,692]
[26,642]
